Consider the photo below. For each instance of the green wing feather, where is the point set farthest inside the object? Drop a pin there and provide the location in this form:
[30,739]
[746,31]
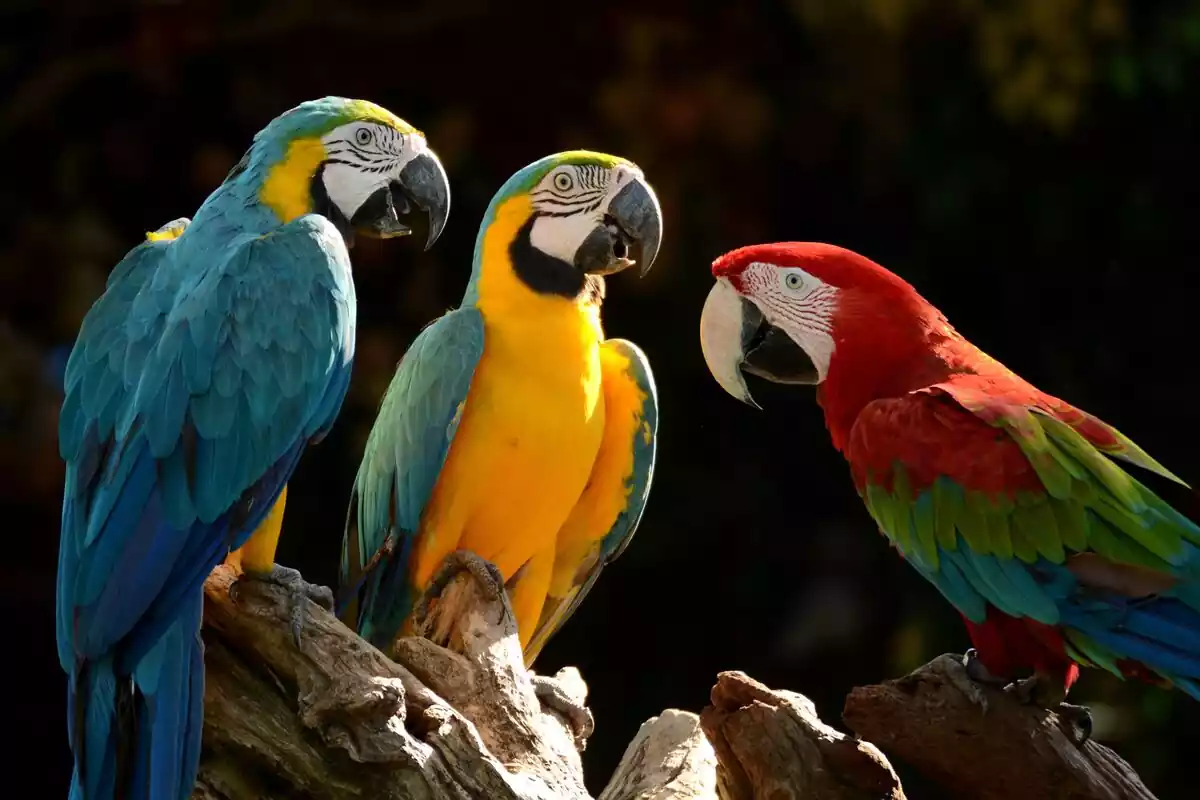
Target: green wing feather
[1009,547]
[407,446]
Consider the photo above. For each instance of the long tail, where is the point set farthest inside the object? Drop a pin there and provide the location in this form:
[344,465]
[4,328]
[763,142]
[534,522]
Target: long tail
[1160,633]
[136,735]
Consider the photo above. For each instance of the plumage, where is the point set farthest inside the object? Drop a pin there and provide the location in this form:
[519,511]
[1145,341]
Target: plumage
[512,428]
[1033,518]
[221,347]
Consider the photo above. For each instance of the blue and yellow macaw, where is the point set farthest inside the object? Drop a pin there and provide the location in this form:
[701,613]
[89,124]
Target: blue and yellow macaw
[513,429]
[220,349]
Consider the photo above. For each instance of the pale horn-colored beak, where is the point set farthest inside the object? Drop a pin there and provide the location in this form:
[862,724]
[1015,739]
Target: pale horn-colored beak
[726,321]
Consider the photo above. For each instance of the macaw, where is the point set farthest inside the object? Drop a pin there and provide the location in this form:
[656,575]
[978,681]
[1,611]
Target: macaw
[513,429]
[1045,527]
[220,349]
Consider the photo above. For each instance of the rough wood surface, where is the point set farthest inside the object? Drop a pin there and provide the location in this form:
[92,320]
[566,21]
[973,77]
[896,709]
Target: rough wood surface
[456,716]
[1008,750]
[337,719]
[668,759]
[771,744]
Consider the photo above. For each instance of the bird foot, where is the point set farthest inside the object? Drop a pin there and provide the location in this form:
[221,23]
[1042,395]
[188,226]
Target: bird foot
[1079,718]
[486,575]
[975,679]
[298,591]
[554,697]
[1033,691]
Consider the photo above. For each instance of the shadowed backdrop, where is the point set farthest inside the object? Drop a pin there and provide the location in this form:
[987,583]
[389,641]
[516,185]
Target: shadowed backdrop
[1029,166]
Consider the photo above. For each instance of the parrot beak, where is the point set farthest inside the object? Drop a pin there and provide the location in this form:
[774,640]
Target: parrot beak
[735,337]
[422,184]
[393,209]
[631,233]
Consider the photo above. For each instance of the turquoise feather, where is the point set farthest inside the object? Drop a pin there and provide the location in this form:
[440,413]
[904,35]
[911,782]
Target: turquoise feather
[196,381]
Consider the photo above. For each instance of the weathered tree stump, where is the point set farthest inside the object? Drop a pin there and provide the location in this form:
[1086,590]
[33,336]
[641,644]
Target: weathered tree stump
[338,719]
[1008,750]
[456,716]
[772,744]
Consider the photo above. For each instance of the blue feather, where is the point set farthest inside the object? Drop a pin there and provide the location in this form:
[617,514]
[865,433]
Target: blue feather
[205,404]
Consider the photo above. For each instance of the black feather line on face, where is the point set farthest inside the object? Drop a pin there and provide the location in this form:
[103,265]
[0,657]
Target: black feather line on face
[541,272]
[323,205]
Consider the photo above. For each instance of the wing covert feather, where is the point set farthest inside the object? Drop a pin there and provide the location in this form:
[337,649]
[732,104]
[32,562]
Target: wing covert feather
[405,450]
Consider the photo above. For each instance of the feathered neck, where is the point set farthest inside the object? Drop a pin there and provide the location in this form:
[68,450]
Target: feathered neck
[888,350]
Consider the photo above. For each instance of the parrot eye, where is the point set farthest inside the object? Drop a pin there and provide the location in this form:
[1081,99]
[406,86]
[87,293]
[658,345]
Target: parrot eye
[563,182]
[792,280]
[363,136]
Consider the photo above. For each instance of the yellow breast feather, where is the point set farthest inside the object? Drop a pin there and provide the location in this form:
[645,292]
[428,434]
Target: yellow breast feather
[530,431]
[577,549]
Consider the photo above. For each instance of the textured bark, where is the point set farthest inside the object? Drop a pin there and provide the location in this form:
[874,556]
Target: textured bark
[1008,750]
[771,744]
[668,759]
[455,715]
[337,719]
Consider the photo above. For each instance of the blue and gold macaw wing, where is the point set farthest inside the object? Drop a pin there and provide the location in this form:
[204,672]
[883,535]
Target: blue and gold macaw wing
[193,387]
[100,347]
[610,509]
[405,451]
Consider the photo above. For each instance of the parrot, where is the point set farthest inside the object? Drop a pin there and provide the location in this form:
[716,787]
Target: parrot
[220,348]
[1059,541]
[513,429]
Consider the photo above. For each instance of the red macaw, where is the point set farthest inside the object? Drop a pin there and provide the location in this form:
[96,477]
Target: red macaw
[1035,519]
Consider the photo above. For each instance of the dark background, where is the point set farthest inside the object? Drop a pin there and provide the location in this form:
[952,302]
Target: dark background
[1030,166]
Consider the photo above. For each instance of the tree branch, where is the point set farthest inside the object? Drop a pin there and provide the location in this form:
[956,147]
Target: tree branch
[456,716]
[1009,750]
[771,744]
[337,719]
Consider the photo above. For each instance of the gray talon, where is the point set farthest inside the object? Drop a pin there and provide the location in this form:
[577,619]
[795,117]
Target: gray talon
[1024,689]
[1045,693]
[298,591]
[554,697]
[965,680]
[485,573]
[1080,720]
[979,673]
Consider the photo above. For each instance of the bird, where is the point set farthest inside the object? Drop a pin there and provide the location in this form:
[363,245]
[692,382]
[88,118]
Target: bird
[513,431]
[219,350]
[1059,540]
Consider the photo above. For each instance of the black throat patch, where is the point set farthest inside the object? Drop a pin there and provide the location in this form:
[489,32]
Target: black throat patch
[546,274]
[322,205]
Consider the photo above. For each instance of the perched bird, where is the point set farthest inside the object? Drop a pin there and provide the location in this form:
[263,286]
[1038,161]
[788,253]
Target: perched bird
[220,349]
[512,428]
[1035,519]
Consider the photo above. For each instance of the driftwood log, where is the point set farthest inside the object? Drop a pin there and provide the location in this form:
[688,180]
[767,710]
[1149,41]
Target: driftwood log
[455,715]
[993,751]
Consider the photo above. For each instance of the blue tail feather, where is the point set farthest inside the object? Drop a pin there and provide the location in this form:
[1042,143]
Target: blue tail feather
[143,731]
[1163,633]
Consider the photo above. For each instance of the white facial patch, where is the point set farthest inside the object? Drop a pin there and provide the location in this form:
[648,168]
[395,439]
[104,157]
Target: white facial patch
[799,304]
[362,157]
[571,201]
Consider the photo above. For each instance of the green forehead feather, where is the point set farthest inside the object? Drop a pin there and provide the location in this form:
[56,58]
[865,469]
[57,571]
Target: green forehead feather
[522,183]
[319,117]
[524,180]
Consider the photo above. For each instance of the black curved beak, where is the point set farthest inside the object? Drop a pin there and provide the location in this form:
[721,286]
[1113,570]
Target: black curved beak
[770,353]
[630,234]
[735,338]
[420,196]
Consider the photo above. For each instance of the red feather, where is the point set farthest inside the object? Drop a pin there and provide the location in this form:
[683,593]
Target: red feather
[903,385]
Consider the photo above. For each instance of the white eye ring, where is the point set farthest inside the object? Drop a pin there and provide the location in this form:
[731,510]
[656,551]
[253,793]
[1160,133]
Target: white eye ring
[563,182]
[363,136]
[792,280]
